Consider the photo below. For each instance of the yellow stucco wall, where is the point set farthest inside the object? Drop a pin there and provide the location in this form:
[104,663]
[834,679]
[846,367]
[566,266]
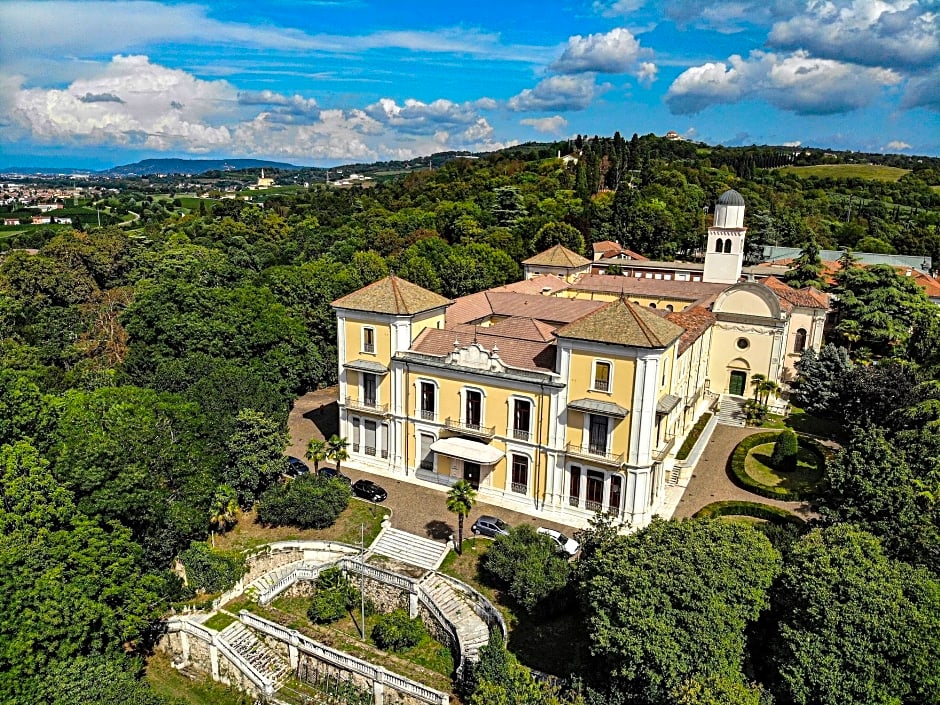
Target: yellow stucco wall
[383,342]
[726,356]
[581,380]
[426,320]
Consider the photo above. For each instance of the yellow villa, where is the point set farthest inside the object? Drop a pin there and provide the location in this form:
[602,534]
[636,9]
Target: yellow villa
[566,393]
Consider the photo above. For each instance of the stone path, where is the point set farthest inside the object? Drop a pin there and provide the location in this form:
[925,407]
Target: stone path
[409,548]
[710,481]
[472,632]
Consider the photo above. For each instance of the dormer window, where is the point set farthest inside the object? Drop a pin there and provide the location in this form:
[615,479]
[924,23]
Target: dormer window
[601,376]
[368,340]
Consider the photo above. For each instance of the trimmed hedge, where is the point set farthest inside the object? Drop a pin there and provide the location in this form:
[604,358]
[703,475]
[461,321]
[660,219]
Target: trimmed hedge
[693,436]
[739,476]
[774,515]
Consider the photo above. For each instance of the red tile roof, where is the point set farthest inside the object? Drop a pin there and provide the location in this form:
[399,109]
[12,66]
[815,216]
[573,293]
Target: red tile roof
[695,320]
[557,256]
[521,354]
[392,295]
[807,297]
[622,323]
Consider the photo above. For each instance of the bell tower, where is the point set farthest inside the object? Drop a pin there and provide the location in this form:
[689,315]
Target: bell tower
[724,255]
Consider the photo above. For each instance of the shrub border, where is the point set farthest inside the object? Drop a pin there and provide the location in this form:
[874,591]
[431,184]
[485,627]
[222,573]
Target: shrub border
[693,436]
[739,475]
[774,515]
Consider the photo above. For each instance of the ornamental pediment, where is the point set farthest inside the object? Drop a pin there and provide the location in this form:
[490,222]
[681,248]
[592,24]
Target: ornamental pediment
[476,357]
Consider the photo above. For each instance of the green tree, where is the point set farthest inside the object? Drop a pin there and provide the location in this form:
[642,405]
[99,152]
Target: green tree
[460,500]
[818,379]
[672,601]
[855,626]
[223,513]
[255,454]
[336,450]
[809,268]
[552,234]
[530,566]
[317,451]
[786,449]
[209,570]
[308,502]
[96,680]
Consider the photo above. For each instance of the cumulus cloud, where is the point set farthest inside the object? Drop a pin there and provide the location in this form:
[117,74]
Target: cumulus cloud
[131,101]
[617,51]
[923,92]
[794,143]
[549,125]
[725,16]
[897,146]
[901,34]
[796,83]
[573,92]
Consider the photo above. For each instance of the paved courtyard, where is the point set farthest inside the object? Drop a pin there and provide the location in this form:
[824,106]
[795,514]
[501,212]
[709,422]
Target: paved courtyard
[710,481]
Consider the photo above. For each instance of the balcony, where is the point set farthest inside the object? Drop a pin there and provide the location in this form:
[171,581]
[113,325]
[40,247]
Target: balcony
[370,406]
[428,415]
[521,435]
[368,348]
[519,487]
[596,455]
[470,429]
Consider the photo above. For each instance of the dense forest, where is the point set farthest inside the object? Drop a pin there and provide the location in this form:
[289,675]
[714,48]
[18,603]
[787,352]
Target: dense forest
[148,370]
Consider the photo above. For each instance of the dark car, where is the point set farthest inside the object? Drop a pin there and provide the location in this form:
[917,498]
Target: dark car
[332,473]
[296,467]
[490,526]
[369,490]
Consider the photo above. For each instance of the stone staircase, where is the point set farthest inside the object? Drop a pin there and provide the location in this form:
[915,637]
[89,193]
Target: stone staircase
[409,548]
[244,642]
[731,411]
[472,631]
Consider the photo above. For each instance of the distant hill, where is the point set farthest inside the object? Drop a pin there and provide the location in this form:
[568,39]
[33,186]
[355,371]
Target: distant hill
[149,167]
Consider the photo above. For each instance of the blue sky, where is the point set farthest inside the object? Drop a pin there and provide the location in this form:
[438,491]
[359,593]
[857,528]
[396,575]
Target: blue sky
[95,83]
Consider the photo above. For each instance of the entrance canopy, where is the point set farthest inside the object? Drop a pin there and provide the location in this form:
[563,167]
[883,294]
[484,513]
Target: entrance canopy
[466,449]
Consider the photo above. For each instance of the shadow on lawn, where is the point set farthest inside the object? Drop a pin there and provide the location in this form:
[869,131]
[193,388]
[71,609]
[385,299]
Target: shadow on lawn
[325,418]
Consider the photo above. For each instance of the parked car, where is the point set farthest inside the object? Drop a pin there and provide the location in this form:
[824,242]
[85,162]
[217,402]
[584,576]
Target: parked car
[369,490]
[486,525]
[296,467]
[569,546]
[331,473]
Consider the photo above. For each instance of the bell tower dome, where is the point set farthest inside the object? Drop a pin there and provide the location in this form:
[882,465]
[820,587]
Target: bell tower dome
[724,255]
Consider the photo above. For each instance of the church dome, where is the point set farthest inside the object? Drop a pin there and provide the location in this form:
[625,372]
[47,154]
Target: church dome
[731,198]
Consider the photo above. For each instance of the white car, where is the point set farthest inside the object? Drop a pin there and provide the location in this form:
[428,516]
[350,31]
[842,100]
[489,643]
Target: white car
[569,546]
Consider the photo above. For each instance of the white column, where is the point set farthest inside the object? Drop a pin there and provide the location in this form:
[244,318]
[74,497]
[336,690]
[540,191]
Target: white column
[643,413]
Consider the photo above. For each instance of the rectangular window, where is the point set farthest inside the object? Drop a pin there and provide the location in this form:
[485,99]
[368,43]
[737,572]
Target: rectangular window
[474,409]
[354,421]
[521,419]
[384,440]
[574,486]
[613,503]
[520,474]
[369,442]
[597,439]
[425,454]
[428,401]
[368,340]
[594,495]
[602,376]
[368,389]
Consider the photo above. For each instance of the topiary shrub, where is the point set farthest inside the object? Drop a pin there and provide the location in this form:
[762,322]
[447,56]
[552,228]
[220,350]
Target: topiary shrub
[397,631]
[786,448]
[335,596]
[738,474]
[749,509]
[208,570]
[309,502]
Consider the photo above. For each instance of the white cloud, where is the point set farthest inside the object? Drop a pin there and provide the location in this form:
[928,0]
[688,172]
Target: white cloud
[549,125]
[131,101]
[897,146]
[794,143]
[618,8]
[617,51]
[556,93]
[889,33]
[796,83]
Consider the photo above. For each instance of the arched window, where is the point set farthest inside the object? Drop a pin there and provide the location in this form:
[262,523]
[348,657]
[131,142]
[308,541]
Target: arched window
[669,308]
[799,341]
[719,245]
[728,245]
[653,304]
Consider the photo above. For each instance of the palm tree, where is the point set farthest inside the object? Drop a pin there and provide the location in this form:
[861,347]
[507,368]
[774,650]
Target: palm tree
[336,450]
[317,451]
[756,381]
[767,388]
[224,510]
[460,500]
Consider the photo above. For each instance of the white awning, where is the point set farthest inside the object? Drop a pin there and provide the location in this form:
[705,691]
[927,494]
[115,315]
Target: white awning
[465,449]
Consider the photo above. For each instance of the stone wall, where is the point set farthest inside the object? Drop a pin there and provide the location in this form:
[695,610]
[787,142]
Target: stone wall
[266,561]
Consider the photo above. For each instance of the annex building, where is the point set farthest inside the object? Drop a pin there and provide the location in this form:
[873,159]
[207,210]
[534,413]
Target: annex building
[568,392]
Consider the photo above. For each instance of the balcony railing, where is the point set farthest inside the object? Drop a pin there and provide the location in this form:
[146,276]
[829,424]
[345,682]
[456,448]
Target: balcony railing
[368,405]
[601,385]
[593,506]
[427,464]
[368,347]
[574,501]
[428,415]
[370,450]
[520,487]
[598,455]
[521,435]
[469,428]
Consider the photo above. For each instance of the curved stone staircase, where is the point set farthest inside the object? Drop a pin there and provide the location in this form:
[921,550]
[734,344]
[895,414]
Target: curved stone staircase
[244,642]
[472,631]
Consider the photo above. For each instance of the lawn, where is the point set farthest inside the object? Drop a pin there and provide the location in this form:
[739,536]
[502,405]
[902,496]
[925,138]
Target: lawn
[849,171]
[803,479]
[529,636]
[801,422]
[167,681]
[248,533]
[219,621]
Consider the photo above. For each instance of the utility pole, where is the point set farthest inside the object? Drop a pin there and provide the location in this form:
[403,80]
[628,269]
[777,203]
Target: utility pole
[362,580]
